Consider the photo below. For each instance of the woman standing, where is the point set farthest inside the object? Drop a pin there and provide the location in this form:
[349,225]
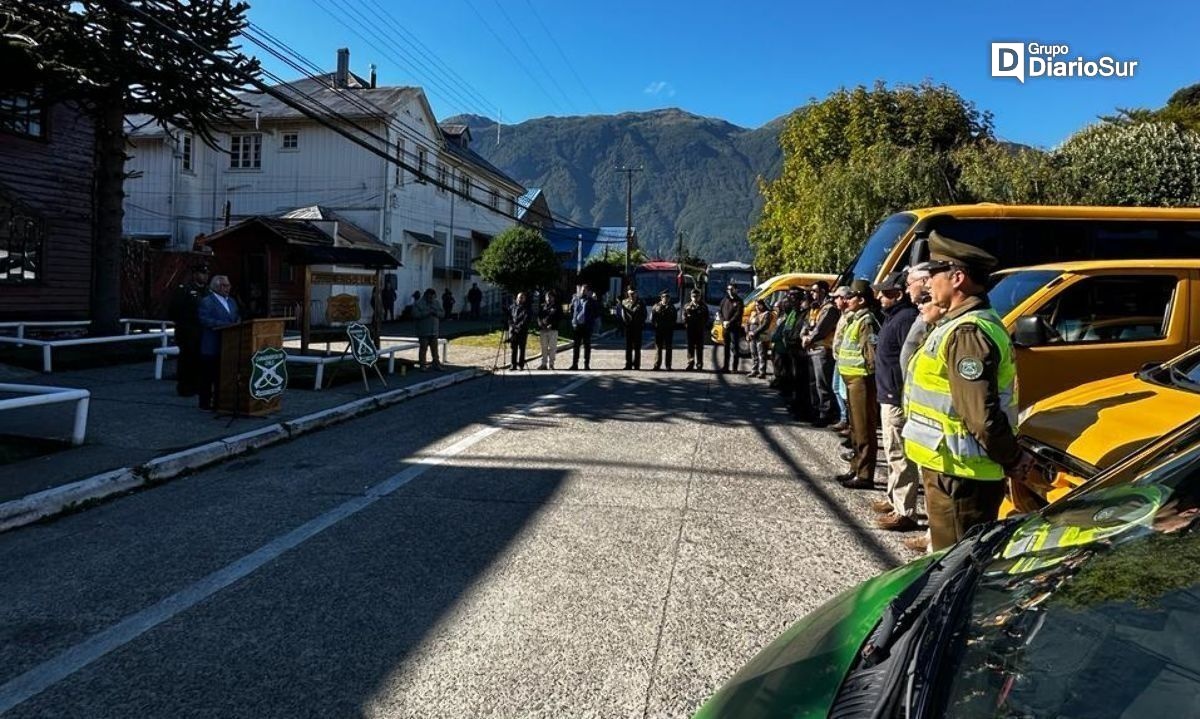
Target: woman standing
[549,318]
[758,336]
[518,329]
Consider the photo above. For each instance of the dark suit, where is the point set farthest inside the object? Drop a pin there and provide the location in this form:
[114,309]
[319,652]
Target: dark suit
[213,315]
[185,313]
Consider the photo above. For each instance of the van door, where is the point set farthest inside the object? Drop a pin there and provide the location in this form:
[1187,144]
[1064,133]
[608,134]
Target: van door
[1103,324]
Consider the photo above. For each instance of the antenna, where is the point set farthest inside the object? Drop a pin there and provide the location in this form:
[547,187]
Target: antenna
[499,120]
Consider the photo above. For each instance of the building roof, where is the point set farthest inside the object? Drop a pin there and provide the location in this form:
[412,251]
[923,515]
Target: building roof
[347,232]
[466,154]
[356,102]
[312,244]
[565,240]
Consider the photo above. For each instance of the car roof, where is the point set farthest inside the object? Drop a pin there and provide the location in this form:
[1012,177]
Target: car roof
[990,209]
[1092,265]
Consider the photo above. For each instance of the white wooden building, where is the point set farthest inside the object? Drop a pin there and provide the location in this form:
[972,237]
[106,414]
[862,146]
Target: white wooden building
[279,160]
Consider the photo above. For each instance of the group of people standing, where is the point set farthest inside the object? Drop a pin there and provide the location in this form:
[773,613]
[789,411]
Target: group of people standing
[547,317]
[919,358]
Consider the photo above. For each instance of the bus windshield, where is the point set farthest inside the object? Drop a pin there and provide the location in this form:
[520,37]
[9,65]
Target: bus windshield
[877,248]
[651,282]
[719,279]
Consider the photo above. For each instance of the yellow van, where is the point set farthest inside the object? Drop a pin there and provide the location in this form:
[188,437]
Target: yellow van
[1074,322]
[1020,235]
[1083,431]
[771,291]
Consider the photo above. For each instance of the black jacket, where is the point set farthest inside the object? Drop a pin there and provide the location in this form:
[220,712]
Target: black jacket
[550,316]
[518,319]
[731,311]
[889,375]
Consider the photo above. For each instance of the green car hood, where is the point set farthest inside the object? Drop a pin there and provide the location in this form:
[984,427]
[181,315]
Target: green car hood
[798,675]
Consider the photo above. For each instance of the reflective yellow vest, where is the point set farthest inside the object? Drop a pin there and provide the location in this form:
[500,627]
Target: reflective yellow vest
[1044,541]
[935,436]
[850,360]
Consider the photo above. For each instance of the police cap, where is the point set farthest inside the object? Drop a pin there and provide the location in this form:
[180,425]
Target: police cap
[944,251]
[860,288]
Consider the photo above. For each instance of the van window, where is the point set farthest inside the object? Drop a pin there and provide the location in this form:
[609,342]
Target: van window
[1020,241]
[1111,308]
[869,261]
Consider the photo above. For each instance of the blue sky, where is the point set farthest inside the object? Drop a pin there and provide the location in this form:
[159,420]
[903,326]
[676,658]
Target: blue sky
[745,62]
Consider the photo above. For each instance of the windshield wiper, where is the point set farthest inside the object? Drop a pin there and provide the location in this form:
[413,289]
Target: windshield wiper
[1181,377]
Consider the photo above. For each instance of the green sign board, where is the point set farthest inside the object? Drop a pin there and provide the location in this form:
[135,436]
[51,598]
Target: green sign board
[268,373]
[361,345]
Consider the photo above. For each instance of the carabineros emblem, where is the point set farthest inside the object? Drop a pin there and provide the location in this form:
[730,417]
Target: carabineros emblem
[268,373]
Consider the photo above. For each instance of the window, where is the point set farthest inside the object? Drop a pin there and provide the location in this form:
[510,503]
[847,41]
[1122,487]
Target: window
[464,185]
[186,150]
[22,115]
[462,253]
[21,239]
[245,151]
[494,199]
[512,207]
[399,162]
[286,273]
[442,178]
[1111,308]
[422,165]
[291,141]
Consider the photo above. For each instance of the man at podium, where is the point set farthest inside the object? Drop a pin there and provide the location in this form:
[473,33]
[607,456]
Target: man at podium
[216,310]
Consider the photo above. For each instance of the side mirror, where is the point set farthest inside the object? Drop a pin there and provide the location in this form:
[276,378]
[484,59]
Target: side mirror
[1030,331]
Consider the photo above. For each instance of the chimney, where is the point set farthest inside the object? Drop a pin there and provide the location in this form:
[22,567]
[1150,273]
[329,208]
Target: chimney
[372,76]
[342,78]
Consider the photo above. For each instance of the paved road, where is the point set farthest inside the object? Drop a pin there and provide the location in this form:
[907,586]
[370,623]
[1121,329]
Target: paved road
[602,544]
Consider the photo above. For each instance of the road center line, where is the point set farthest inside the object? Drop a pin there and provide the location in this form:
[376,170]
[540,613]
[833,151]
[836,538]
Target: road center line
[51,672]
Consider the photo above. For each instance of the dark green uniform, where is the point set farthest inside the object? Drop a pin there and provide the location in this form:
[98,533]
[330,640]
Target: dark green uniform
[662,317]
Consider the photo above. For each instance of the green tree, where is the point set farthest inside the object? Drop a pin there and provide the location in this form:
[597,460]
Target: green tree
[854,158]
[999,172]
[1132,164]
[174,61]
[519,259]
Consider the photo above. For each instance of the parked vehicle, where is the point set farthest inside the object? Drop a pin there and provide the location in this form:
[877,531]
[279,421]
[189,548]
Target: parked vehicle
[1019,235]
[722,274]
[1086,608]
[1075,322]
[771,291]
[651,278]
[1083,431]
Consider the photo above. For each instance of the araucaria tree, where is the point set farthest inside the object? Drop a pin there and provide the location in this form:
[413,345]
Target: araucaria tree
[174,61]
[519,259]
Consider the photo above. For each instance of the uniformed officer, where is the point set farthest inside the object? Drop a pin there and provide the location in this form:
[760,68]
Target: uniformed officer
[662,318]
[856,363]
[961,397]
[695,323]
[184,312]
[633,317]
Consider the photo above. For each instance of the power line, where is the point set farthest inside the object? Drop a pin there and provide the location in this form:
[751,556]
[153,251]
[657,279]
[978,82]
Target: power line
[563,55]
[330,119]
[537,58]
[512,54]
[423,50]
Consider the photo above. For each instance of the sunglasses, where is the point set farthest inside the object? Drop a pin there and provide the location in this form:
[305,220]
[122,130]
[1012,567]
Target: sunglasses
[936,268]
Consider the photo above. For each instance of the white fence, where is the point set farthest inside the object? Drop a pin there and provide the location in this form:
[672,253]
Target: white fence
[38,395]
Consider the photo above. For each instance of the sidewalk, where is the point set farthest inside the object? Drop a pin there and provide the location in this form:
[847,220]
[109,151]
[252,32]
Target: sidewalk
[140,431]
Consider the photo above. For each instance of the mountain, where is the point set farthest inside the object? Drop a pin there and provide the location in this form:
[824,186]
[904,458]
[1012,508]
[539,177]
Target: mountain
[699,174]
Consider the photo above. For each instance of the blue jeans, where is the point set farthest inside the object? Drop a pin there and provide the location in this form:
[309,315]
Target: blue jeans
[839,391]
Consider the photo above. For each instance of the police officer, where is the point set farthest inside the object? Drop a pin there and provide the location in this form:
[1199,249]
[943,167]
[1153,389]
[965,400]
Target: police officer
[633,318]
[662,318]
[961,397]
[856,363]
[184,311]
[695,324]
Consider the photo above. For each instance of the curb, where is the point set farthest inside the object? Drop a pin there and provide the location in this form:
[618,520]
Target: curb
[77,495]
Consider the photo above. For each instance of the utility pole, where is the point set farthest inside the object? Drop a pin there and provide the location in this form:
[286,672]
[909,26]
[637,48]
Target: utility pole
[628,215]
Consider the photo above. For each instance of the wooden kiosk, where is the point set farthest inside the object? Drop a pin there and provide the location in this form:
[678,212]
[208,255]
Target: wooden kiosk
[253,368]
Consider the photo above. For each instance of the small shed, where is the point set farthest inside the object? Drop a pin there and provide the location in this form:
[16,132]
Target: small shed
[304,270]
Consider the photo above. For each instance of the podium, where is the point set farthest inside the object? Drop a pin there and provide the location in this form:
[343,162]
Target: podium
[241,378]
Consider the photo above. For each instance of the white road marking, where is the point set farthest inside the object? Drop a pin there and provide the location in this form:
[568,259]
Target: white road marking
[49,673]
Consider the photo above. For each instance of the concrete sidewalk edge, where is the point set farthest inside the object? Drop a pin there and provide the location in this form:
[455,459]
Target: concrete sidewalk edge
[58,500]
